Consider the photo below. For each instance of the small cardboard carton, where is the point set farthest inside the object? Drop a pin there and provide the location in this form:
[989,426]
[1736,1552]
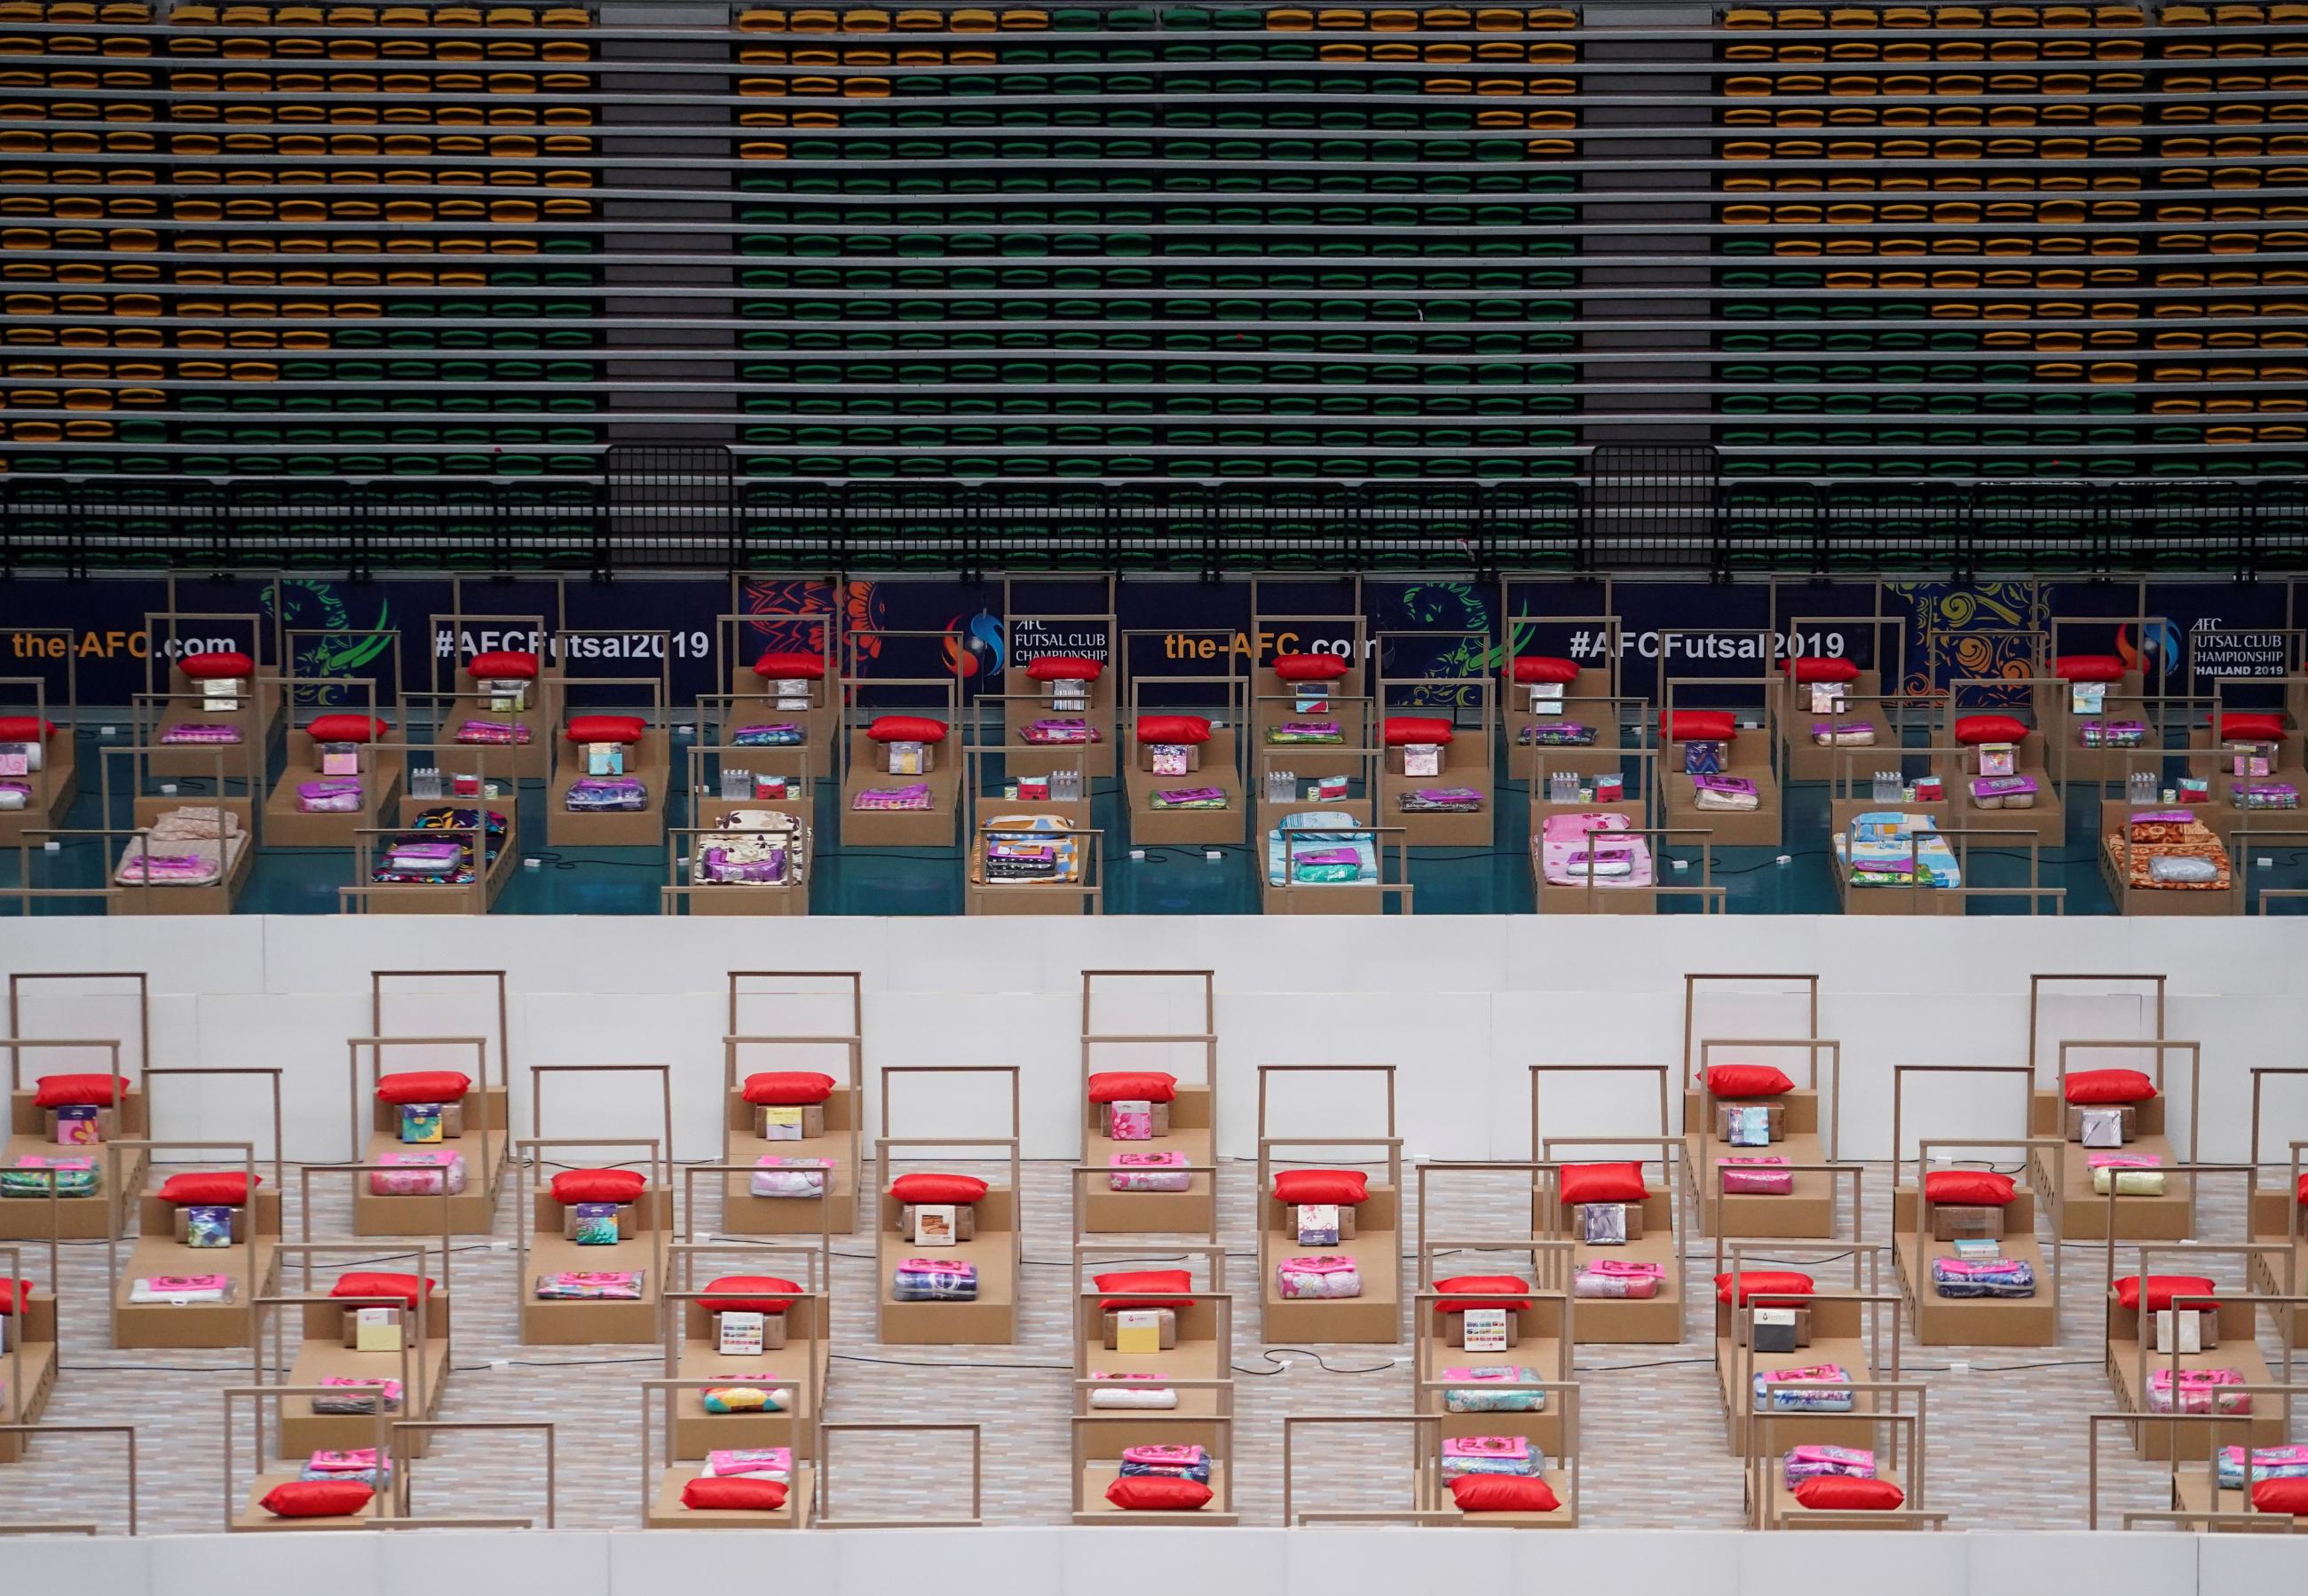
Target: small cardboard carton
[1728,1115]
[1796,1325]
[1485,1329]
[735,1330]
[571,1218]
[1607,1224]
[374,1329]
[1965,1222]
[789,1122]
[1155,1121]
[1161,1322]
[2124,1116]
[238,1221]
[964,1221]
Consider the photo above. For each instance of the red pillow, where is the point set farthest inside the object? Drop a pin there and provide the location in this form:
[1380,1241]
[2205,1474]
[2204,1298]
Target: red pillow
[752,1495]
[1133,1086]
[226,665]
[1172,729]
[787,1089]
[1344,1187]
[347,729]
[1819,668]
[1972,729]
[2087,667]
[1503,1493]
[1155,1492]
[1065,667]
[2303,1189]
[1602,1183]
[607,729]
[2288,1495]
[774,666]
[12,1292]
[733,1283]
[2110,1086]
[937,1188]
[64,1092]
[372,1282]
[316,1498]
[2162,1288]
[503,665]
[1402,731]
[598,1185]
[1982,1188]
[1310,667]
[25,728]
[1698,725]
[1532,668]
[1763,1282]
[906,729]
[424,1086]
[1172,1281]
[1482,1291]
[1747,1080]
[2234,728]
[208,1190]
[1840,1493]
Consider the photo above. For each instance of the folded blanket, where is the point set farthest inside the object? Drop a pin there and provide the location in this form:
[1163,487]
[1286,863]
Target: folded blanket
[1441,800]
[2113,734]
[1843,734]
[200,734]
[747,1393]
[1725,792]
[1556,734]
[1166,1462]
[360,1464]
[1820,1388]
[1491,1455]
[592,1285]
[1148,1172]
[1323,1276]
[328,797]
[2004,789]
[1299,732]
[606,794]
[494,734]
[1191,798]
[1821,1463]
[1138,1391]
[1764,1176]
[2132,1174]
[1061,731]
[934,1279]
[775,1177]
[752,1462]
[35,1176]
[357,1394]
[15,794]
[1986,1277]
[914,795]
[181,1290]
[1608,1278]
[781,734]
[2268,1463]
[418,1174]
[2201,1390]
[722,864]
[1567,842]
[1463,1391]
[2267,795]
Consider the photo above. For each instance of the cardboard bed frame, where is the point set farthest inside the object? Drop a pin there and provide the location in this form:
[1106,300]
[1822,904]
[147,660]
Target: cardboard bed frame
[1375,1317]
[1192,1118]
[1198,1365]
[693,1350]
[996,1249]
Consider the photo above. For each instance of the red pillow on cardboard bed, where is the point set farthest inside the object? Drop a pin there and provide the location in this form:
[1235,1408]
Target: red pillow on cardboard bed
[598,1185]
[227,665]
[1840,1493]
[12,1292]
[2251,728]
[1747,1080]
[1065,667]
[750,1495]
[787,1088]
[1699,726]
[1172,729]
[1482,1291]
[2162,1288]
[424,1086]
[1602,1183]
[607,729]
[906,729]
[1155,1492]
[777,666]
[1974,729]
[1534,669]
[1310,667]
[502,665]
[374,1282]
[730,1284]
[316,1498]
[25,728]
[1820,667]
[1503,1493]
[1402,731]
[1133,1086]
[2087,667]
[2110,1086]
[1343,1187]
[1171,1281]
[66,1092]
[928,1187]
[2287,1496]
[208,1190]
[347,729]
[1765,1283]
[1978,1188]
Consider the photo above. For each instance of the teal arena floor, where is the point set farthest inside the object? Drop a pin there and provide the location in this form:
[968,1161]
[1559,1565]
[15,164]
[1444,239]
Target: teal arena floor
[1169,880]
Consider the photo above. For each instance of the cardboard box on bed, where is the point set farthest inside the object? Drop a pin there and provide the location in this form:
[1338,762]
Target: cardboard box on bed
[1965,1221]
[2079,1213]
[1633,1220]
[746,1214]
[801,1345]
[1798,1323]
[1775,1113]
[990,1321]
[473,1210]
[1106,1211]
[453,1122]
[965,1222]
[2172,1324]
[1808,1212]
[2128,1119]
[1454,1330]
[108,1126]
[569,1221]
[1372,1319]
[180,1225]
[1166,1322]
[773,1336]
[1161,1121]
[813,1122]
[2238,1349]
[77,1219]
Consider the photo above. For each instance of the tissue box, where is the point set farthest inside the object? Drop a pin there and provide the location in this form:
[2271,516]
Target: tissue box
[1329,790]
[1324,1224]
[234,1228]
[2196,1330]
[1952,1222]
[1598,1226]
[619,1214]
[1545,698]
[1998,759]
[1422,759]
[1610,789]
[1775,1117]
[1115,1121]
[1827,698]
[911,759]
[790,1122]
[1795,1332]
[1033,789]
[1929,790]
[80,1124]
[372,1329]
[423,1123]
[2195,790]
[2086,698]
[2124,1117]
[775,790]
[1454,1331]
[605,759]
[741,1335]
[340,759]
[964,1219]
[1174,759]
[1166,1327]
